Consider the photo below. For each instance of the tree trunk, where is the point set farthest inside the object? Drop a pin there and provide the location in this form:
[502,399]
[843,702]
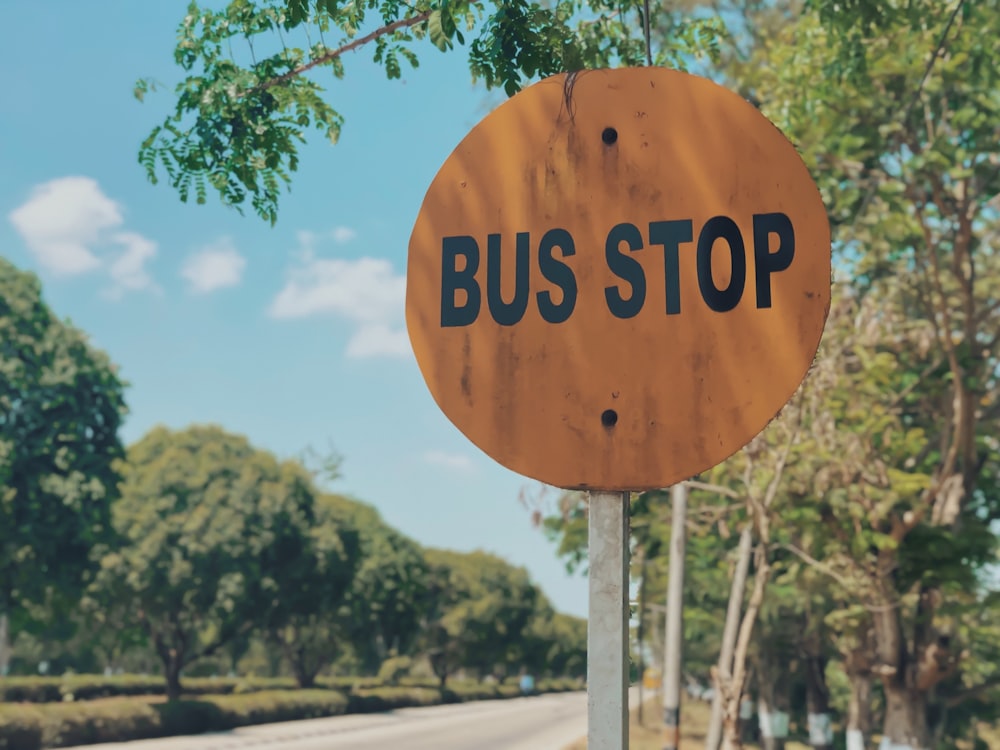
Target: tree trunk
[640,636]
[765,715]
[173,661]
[305,666]
[905,724]
[274,665]
[773,731]
[859,711]
[172,670]
[5,649]
[732,685]
[304,677]
[729,633]
[818,704]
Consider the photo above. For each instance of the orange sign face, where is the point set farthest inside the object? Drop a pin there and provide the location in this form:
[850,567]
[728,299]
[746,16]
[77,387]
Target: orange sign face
[618,278]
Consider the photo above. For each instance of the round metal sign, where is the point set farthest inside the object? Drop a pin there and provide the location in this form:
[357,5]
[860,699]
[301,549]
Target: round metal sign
[618,278]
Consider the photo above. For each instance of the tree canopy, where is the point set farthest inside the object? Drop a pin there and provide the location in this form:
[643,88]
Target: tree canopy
[221,538]
[61,404]
[480,611]
[196,551]
[880,534]
[250,91]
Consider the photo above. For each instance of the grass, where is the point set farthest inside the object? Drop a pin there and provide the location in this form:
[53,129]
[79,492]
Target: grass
[650,735]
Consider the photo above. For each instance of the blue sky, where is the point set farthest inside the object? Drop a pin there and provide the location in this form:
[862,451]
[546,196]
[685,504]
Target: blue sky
[291,335]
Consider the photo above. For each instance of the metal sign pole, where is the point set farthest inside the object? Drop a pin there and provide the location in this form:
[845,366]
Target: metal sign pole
[674,637]
[607,629]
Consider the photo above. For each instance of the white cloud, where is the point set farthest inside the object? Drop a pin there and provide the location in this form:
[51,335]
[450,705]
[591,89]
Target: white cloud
[451,461]
[343,234]
[366,291]
[216,266]
[128,270]
[378,339]
[67,224]
[308,239]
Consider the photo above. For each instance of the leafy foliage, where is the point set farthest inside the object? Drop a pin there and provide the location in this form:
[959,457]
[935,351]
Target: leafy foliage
[481,607]
[61,404]
[217,542]
[248,96]
[315,583]
[386,602]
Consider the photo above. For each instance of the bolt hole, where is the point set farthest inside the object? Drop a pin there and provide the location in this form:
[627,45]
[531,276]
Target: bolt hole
[609,136]
[609,418]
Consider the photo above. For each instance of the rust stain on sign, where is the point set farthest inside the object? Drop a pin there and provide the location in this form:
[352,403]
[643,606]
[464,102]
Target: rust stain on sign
[604,300]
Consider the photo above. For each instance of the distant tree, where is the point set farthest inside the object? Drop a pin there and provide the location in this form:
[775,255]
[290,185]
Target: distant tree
[217,542]
[385,606]
[61,403]
[554,644]
[480,610]
[307,617]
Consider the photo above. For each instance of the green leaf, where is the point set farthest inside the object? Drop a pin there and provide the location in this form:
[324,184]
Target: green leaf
[436,32]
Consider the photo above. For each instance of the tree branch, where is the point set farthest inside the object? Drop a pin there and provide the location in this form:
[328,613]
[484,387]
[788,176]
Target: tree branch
[987,311]
[901,396]
[821,567]
[779,468]
[403,23]
[717,489]
[972,692]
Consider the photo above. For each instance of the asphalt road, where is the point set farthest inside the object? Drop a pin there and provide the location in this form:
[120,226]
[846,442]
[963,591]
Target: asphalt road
[548,722]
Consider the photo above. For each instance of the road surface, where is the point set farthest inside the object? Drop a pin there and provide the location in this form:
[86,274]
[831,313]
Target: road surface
[548,722]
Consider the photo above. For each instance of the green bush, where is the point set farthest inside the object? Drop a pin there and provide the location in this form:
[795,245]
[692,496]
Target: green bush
[375,700]
[462,692]
[560,685]
[45,720]
[249,685]
[394,669]
[63,724]
[222,712]
[347,683]
[20,728]
[85,687]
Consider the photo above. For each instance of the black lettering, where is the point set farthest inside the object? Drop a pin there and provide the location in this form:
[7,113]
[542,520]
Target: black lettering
[559,274]
[508,313]
[721,227]
[766,262]
[453,280]
[626,268]
[671,234]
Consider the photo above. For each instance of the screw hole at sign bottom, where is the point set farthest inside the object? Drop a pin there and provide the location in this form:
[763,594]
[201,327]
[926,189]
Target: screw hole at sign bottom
[609,418]
[609,136]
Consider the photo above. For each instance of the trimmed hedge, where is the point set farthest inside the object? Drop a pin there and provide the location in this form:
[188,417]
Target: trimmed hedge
[86,687]
[32,727]
[28,726]
[464,692]
[91,687]
[374,700]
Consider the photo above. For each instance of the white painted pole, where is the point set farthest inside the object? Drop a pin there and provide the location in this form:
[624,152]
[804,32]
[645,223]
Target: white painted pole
[607,624]
[674,637]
